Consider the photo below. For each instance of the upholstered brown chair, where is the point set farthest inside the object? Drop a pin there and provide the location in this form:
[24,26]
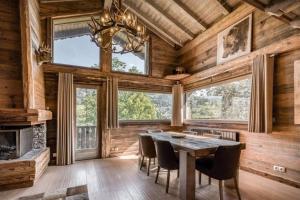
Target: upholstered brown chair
[147,150]
[167,159]
[222,166]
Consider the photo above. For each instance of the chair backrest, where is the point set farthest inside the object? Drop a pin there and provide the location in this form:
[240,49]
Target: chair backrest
[190,132]
[226,162]
[212,135]
[155,131]
[165,155]
[147,146]
[224,134]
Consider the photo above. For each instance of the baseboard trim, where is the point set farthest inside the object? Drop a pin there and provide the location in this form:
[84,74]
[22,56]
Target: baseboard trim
[270,176]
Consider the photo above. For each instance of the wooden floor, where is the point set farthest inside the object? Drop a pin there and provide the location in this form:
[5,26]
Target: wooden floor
[120,179]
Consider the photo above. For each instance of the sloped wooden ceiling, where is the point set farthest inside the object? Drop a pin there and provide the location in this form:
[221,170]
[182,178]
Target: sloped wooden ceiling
[179,21]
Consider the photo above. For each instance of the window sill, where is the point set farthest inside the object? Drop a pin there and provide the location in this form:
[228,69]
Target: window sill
[76,66]
[130,73]
[214,121]
[144,122]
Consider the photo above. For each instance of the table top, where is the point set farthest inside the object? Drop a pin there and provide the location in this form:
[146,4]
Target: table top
[195,145]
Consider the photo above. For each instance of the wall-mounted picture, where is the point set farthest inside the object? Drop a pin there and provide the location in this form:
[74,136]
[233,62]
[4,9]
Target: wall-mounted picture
[235,41]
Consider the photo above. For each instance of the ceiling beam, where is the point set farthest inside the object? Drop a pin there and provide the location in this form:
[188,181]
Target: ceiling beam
[57,1]
[188,34]
[277,7]
[267,9]
[256,4]
[153,26]
[226,9]
[107,4]
[190,13]
[295,23]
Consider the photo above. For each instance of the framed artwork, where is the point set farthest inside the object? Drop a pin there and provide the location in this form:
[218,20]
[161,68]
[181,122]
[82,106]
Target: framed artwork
[235,41]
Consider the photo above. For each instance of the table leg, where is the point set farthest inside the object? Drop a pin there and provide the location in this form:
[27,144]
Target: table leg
[186,176]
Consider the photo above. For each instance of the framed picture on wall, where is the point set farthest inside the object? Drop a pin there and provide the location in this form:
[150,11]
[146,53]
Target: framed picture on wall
[235,41]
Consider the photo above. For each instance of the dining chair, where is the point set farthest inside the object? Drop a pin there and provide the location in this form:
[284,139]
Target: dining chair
[223,165]
[190,132]
[147,150]
[167,159]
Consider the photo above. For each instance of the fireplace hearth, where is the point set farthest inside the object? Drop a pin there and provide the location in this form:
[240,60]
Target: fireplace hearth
[17,142]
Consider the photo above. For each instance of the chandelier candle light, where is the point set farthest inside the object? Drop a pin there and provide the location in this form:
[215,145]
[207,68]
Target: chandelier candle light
[118,21]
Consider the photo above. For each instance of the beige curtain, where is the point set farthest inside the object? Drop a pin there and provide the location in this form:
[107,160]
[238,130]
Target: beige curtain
[177,110]
[260,117]
[112,103]
[65,114]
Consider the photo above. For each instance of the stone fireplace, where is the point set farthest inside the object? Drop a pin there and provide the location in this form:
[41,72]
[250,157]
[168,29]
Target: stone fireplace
[14,143]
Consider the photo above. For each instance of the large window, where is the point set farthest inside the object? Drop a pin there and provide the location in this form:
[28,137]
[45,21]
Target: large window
[72,44]
[227,101]
[133,62]
[134,105]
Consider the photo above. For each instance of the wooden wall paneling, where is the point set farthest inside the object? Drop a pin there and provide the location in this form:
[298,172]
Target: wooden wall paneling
[65,9]
[288,44]
[26,55]
[33,79]
[297,92]
[124,141]
[11,87]
[163,58]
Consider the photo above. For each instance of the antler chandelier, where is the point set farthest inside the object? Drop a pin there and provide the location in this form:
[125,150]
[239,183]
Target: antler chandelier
[116,20]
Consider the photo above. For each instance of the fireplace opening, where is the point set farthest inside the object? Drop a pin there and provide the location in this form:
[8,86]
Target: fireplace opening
[14,143]
[8,144]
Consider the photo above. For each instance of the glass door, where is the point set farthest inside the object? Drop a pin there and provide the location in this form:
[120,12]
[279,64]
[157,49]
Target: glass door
[87,137]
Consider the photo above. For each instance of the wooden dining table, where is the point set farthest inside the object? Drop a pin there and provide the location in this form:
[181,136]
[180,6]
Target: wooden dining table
[190,147]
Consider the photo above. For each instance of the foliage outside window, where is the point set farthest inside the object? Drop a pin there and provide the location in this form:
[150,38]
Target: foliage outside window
[86,107]
[228,101]
[134,105]
[86,118]
[133,62]
[72,44]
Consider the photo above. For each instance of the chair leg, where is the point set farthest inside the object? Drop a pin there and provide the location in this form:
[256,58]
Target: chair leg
[142,162]
[199,178]
[154,161]
[149,163]
[237,187]
[178,173]
[209,181]
[157,174]
[168,181]
[221,189]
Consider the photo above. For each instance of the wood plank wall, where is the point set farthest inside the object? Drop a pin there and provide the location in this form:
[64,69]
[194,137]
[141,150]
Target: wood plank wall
[11,87]
[281,147]
[37,71]
[11,91]
[266,30]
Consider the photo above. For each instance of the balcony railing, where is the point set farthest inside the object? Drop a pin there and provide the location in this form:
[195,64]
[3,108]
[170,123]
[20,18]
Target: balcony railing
[86,137]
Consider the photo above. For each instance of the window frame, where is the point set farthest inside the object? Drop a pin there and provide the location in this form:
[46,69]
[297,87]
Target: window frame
[214,121]
[144,122]
[147,65]
[52,43]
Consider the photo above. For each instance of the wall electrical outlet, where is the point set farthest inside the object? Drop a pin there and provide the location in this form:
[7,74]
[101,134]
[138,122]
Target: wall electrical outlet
[279,168]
